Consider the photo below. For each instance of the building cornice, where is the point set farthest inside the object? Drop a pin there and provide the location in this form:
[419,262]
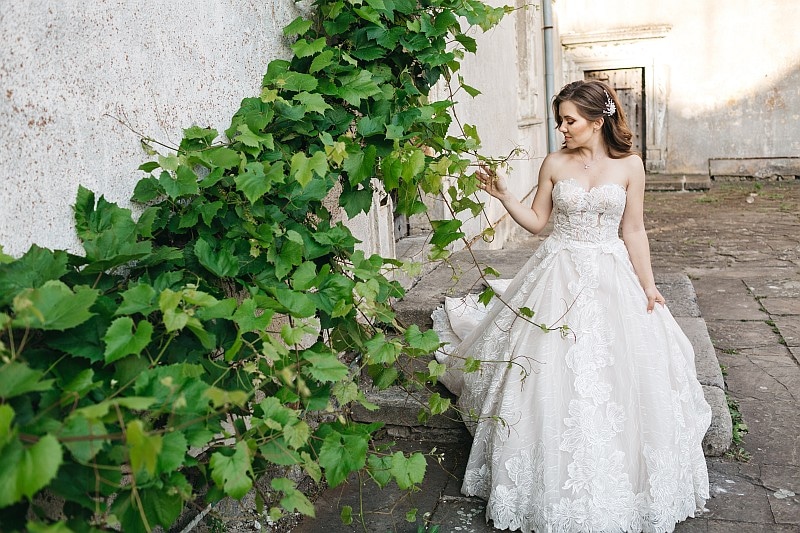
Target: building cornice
[633,33]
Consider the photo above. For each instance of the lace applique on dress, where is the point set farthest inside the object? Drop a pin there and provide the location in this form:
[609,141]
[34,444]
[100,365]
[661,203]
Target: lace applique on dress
[599,430]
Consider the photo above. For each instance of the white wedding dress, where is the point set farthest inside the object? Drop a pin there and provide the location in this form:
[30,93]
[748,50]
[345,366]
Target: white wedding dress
[598,429]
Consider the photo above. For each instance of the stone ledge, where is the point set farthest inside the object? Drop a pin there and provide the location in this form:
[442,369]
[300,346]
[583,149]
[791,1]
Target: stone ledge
[399,408]
[677,182]
[718,438]
[705,356]
[456,277]
[754,168]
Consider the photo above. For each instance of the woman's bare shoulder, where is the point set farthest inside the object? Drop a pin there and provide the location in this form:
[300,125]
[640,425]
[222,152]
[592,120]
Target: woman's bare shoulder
[553,165]
[556,159]
[561,155]
[632,168]
[632,160]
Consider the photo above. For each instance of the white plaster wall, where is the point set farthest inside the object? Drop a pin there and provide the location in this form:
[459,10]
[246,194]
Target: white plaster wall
[732,67]
[68,66]
[69,69]
[509,113]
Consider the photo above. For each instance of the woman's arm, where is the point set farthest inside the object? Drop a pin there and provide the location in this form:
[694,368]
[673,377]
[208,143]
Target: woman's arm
[533,218]
[634,235]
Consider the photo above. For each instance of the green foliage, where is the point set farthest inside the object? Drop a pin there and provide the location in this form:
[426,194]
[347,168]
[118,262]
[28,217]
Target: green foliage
[740,429]
[237,283]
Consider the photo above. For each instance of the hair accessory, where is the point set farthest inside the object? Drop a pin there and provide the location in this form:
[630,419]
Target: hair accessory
[610,107]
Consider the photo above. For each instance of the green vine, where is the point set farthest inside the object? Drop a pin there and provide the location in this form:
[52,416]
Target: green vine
[223,334]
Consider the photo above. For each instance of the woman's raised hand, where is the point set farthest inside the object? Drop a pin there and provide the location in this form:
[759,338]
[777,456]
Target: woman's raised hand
[491,181]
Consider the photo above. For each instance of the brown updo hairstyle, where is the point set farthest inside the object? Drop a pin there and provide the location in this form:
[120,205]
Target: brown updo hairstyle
[590,98]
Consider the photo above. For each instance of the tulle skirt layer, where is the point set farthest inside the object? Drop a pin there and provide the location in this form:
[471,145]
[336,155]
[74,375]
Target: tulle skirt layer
[592,423]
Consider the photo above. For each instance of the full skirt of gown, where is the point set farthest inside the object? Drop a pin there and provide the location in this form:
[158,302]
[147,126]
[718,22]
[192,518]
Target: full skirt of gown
[597,424]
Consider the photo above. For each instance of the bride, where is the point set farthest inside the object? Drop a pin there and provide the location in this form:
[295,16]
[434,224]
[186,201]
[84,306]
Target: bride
[598,427]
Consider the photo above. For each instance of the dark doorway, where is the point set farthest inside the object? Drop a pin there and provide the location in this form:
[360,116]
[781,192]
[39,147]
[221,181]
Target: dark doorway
[629,84]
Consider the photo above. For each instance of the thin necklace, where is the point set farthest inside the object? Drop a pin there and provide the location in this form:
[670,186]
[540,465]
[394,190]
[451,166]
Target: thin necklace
[587,165]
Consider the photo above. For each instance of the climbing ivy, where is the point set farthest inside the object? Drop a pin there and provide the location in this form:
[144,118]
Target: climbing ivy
[223,333]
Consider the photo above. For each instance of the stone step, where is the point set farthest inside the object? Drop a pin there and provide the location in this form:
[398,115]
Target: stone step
[677,182]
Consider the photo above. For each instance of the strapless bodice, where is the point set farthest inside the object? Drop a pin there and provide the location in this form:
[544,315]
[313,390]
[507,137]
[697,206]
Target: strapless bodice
[590,217]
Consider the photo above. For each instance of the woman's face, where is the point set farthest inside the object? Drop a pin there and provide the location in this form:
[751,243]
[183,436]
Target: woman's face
[577,130]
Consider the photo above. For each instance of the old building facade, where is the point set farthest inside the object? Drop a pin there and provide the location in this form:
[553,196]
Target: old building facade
[713,86]
[712,89]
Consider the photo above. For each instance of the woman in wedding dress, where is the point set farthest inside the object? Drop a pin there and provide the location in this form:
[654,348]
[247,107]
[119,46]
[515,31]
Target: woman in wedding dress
[596,424]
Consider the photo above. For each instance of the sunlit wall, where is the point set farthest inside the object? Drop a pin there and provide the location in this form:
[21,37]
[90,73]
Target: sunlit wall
[731,70]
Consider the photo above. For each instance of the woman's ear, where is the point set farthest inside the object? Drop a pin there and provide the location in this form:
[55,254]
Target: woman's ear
[598,124]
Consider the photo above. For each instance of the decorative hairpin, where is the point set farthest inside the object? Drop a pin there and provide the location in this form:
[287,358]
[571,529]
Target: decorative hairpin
[610,107]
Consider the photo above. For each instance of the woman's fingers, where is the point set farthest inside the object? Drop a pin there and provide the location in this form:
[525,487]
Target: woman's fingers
[486,176]
[653,299]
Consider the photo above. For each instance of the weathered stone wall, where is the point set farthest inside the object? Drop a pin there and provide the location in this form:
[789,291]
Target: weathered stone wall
[722,76]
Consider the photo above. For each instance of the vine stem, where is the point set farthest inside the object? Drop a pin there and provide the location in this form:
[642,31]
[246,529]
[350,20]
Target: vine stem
[141,135]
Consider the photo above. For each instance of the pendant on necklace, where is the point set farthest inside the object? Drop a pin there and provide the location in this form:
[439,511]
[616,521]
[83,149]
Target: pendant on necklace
[585,166]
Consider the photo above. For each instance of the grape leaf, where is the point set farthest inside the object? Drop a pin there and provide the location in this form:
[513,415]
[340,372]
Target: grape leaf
[303,48]
[18,378]
[220,262]
[325,367]
[234,473]
[342,454]
[426,341]
[293,499]
[25,471]
[408,471]
[313,102]
[53,306]
[32,270]
[143,448]
[303,168]
[121,340]
[297,27]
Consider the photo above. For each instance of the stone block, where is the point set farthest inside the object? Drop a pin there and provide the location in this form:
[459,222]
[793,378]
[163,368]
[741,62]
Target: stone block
[708,371]
[719,435]
[400,408]
[781,306]
[773,429]
[692,525]
[677,182]
[757,167]
[766,378]
[733,336]
[456,277]
[789,329]
[738,525]
[783,482]
[414,248]
[774,288]
[727,299]
[461,514]
[679,293]
[384,509]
